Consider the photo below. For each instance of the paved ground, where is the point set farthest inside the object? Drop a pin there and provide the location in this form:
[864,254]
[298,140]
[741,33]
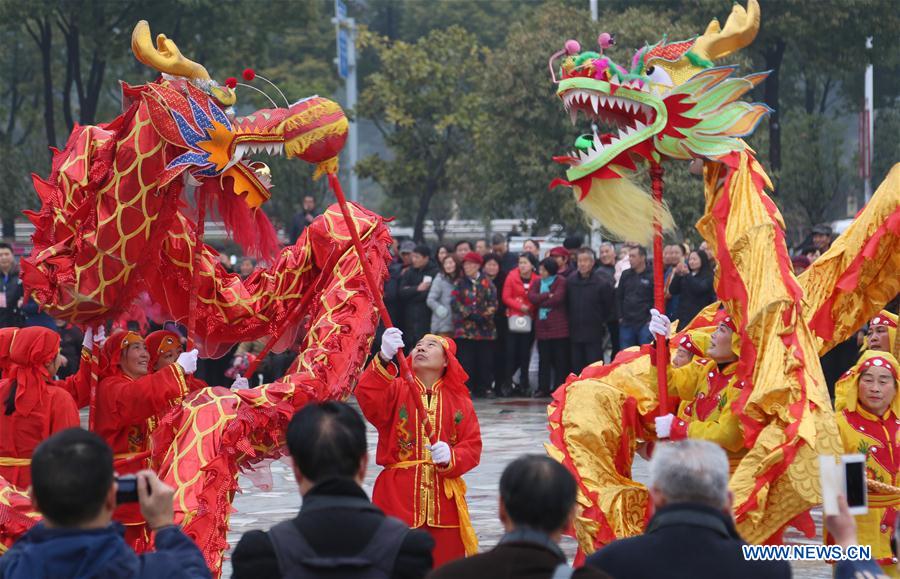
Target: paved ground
[509,428]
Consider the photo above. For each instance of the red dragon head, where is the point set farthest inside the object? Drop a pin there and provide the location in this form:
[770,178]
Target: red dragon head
[210,147]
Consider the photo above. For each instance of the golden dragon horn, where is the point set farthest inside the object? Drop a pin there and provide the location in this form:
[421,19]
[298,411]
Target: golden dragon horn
[740,30]
[165,56]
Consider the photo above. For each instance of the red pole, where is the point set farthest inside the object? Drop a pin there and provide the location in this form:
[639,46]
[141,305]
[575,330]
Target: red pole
[379,301]
[288,322]
[95,372]
[659,297]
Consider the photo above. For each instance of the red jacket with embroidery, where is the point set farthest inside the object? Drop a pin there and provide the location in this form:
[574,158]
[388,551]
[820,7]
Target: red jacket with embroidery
[415,494]
[126,413]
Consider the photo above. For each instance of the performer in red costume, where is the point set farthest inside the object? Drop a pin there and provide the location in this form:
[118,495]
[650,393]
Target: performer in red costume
[421,483]
[129,399]
[164,347]
[31,409]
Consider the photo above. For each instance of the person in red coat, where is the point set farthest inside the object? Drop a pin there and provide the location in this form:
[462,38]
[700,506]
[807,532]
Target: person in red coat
[519,341]
[421,483]
[129,400]
[31,408]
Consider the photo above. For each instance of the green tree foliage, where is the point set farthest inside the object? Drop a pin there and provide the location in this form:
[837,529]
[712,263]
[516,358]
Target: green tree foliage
[814,151]
[422,100]
[887,143]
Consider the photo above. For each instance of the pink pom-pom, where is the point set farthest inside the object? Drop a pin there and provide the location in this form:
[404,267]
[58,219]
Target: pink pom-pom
[249,74]
[231,82]
[572,47]
[605,40]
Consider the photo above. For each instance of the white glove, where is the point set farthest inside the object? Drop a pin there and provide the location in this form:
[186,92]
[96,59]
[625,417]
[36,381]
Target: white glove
[391,342]
[440,452]
[100,335]
[91,337]
[664,425]
[659,324]
[240,383]
[441,311]
[188,361]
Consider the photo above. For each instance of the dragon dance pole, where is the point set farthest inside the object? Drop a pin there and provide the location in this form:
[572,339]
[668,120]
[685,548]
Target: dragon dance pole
[95,373]
[379,301]
[659,297]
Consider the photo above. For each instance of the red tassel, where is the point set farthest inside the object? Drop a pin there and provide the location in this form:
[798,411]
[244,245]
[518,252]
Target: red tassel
[250,228]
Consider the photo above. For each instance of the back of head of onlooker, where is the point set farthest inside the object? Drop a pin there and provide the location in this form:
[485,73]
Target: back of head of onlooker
[690,471]
[327,440]
[537,493]
[72,480]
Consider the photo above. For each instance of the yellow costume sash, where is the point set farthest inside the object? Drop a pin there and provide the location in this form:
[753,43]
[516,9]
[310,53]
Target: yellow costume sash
[454,488]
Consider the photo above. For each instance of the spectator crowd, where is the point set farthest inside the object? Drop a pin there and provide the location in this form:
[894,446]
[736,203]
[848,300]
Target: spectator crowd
[558,309]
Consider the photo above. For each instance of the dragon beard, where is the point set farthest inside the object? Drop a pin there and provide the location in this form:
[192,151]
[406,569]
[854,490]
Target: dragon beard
[624,209]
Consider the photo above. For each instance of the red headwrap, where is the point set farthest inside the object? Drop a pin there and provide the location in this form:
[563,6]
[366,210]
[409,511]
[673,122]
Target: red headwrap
[113,348]
[24,353]
[160,342]
[454,376]
[694,342]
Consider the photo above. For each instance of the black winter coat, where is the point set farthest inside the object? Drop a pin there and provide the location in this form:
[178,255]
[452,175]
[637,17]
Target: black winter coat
[696,293]
[591,304]
[634,296]
[685,541]
[415,311]
[332,533]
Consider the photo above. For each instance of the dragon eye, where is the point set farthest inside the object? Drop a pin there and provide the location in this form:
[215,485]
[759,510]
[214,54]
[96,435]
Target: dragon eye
[658,76]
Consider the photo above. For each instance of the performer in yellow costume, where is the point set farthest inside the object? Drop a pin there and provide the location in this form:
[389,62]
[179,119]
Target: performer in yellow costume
[707,386]
[870,424]
[882,334]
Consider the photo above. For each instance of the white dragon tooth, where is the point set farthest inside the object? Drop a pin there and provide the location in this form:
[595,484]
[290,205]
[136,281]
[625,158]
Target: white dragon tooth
[594,100]
[573,114]
[604,100]
[628,106]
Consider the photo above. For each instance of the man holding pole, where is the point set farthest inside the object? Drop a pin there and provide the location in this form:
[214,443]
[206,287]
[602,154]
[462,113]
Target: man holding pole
[428,437]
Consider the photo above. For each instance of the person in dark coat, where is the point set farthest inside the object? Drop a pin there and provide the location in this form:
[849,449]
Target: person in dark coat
[590,298]
[493,269]
[508,261]
[537,503]
[11,292]
[302,219]
[338,532]
[74,488]
[691,534]
[413,295]
[634,298]
[552,326]
[606,262]
[693,282]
